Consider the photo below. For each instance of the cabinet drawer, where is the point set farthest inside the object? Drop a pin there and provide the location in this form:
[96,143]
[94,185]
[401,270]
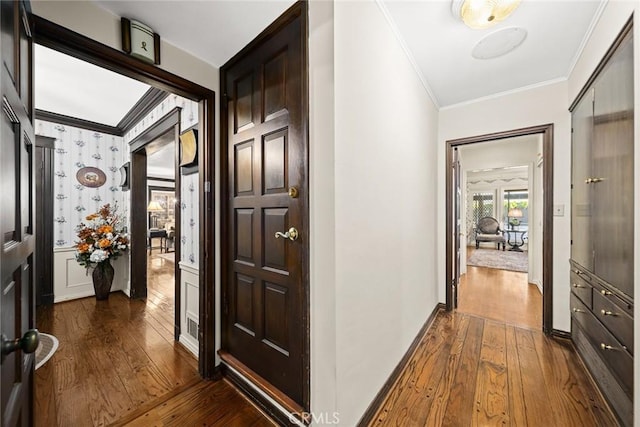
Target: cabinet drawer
[620,402]
[581,288]
[614,317]
[617,360]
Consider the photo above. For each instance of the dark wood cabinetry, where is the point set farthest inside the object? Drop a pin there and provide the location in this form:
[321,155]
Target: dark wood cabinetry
[602,222]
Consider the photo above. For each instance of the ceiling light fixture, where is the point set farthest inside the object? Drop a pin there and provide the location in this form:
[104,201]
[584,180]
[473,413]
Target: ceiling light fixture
[480,14]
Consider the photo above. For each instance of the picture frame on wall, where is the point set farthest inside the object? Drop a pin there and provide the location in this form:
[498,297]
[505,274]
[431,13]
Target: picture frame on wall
[125,182]
[189,152]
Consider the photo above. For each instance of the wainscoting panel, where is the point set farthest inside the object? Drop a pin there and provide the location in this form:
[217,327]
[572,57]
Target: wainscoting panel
[190,307]
[72,281]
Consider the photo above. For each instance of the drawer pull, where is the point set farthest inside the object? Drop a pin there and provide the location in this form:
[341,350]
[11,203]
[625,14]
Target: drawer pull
[604,346]
[578,272]
[607,313]
[605,293]
[577,310]
[575,285]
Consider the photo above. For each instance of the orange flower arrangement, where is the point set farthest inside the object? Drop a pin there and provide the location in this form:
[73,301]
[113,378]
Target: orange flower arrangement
[101,238]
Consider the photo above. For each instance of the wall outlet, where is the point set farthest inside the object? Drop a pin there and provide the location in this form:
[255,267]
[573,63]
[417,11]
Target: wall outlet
[558,210]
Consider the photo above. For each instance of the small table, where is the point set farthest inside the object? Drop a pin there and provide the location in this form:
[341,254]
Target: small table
[512,239]
[162,235]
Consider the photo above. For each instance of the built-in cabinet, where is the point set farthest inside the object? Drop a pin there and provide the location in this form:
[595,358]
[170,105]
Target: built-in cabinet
[602,219]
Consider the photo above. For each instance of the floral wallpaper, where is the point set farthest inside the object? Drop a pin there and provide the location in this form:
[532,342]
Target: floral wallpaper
[188,115]
[74,149]
[190,221]
[189,186]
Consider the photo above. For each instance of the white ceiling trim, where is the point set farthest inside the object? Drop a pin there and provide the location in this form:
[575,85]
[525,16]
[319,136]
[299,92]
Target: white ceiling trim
[407,52]
[587,36]
[505,93]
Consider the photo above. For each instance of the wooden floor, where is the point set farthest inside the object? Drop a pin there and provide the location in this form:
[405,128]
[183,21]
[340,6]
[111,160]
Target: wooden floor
[470,371]
[117,357]
[500,295]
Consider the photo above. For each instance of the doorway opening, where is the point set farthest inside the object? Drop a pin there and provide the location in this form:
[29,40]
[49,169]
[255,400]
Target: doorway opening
[516,196]
[501,230]
[114,343]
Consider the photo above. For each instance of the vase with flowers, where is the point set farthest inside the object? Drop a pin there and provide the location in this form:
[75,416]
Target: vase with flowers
[101,238]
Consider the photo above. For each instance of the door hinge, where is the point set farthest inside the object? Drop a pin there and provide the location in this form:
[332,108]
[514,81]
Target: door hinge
[207,186]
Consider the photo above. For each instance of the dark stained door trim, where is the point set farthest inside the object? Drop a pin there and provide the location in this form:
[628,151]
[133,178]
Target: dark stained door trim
[44,219]
[547,227]
[64,40]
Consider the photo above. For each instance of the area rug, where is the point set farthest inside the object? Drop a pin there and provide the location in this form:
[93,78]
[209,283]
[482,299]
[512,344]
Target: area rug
[171,256]
[502,260]
[46,347]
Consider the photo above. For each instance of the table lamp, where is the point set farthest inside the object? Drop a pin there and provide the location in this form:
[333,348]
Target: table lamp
[513,216]
[154,207]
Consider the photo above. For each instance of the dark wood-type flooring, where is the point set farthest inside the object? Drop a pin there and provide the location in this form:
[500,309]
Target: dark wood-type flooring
[501,295]
[490,364]
[470,371]
[117,360]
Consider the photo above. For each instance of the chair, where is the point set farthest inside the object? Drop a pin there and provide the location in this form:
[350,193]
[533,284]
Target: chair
[488,230]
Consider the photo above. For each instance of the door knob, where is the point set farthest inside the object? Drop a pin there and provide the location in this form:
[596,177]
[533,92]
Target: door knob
[292,234]
[28,343]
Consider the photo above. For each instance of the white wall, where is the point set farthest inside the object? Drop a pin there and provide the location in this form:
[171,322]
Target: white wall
[189,305]
[86,18]
[385,186]
[537,106]
[71,280]
[322,262]
[611,22]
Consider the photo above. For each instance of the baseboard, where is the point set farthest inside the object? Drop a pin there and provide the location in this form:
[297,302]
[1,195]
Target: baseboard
[259,399]
[377,402]
[190,344]
[561,334]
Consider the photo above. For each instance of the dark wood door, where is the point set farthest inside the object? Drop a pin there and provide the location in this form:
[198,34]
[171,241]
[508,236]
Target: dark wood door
[456,229]
[265,276]
[16,216]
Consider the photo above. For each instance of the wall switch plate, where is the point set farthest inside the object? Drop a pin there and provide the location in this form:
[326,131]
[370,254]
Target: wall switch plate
[558,210]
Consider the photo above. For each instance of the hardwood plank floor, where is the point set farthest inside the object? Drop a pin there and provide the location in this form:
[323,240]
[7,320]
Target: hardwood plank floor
[118,356]
[470,371]
[501,295]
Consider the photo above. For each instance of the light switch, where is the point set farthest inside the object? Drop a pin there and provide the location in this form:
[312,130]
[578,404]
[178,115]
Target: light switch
[558,210]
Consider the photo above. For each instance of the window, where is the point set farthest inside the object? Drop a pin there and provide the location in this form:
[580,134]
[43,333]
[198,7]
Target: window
[482,205]
[516,208]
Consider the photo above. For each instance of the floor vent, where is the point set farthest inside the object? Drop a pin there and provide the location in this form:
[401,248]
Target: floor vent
[192,327]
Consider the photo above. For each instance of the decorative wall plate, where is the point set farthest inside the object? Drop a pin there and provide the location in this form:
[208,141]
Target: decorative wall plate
[91,177]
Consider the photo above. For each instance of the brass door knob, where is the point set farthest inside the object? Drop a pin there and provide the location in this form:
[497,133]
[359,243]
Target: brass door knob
[292,234]
[28,343]
[293,192]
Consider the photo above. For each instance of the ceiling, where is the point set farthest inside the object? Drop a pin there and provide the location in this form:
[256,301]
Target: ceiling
[439,44]
[212,30]
[71,87]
